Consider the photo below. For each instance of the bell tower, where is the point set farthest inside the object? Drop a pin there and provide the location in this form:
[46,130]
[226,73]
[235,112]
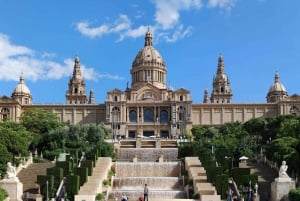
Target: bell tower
[221,86]
[76,91]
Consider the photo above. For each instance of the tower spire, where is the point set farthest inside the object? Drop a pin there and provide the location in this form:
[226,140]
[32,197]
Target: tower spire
[221,87]
[148,38]
[76,90]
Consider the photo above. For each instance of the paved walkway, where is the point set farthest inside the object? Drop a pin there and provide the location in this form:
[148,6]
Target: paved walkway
[266,176]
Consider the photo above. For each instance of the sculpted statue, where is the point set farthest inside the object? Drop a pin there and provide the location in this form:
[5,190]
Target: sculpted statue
[283,169]
[11,171]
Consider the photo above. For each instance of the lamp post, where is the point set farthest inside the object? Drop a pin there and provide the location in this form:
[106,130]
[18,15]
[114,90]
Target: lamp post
[256,187]
[115,114]
[181,119]
[228,157]
[47,196]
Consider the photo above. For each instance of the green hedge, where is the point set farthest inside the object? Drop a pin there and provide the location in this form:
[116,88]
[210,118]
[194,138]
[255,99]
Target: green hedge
[83,174]
[66,166]
[245,180]
[93,156]
[3,194]
[88,164]
[212,172]
[294,195]
[239,171]
[72,186]
[42,182]
[222,185]
[57,173]
[74,153]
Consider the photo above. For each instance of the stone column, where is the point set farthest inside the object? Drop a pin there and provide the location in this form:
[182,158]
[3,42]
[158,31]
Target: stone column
[13,187]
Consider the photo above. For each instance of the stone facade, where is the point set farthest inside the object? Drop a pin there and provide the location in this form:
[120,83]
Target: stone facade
[149,107]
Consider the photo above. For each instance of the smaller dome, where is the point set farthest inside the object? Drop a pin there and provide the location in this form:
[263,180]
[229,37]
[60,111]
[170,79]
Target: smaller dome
[277,86]
[21,88]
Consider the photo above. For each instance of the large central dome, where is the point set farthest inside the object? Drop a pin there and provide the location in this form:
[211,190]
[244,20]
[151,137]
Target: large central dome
[148,66]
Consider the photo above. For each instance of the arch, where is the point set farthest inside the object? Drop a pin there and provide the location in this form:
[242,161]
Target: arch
[181,113]
[148,115]
[164,116]
[132,116]
[181,97]
[5,113]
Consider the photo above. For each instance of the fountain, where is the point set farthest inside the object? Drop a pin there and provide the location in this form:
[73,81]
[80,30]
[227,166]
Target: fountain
[157,167]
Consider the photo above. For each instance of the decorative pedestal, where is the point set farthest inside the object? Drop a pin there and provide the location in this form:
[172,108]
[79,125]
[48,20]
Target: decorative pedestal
[280,188]
[13,187]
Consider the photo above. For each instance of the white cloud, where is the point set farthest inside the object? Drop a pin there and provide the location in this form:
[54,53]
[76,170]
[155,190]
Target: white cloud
[178,34]
[15,59]
[167,11]
[9,50]
[166,23]
[122,23]
[85,29]
[224,4]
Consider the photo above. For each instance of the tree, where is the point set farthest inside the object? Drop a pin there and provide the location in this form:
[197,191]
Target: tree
[39,121]
[82,137]
[285,149]
[15,137]
[5,157]
[289,126]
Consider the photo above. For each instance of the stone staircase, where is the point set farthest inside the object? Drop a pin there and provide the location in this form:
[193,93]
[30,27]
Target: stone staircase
[28,177]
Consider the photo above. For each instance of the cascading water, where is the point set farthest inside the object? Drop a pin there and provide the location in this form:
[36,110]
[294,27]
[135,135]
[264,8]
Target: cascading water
[163,179]
[147,154]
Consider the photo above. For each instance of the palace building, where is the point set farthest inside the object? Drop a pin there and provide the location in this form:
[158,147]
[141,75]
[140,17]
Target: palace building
[148,107]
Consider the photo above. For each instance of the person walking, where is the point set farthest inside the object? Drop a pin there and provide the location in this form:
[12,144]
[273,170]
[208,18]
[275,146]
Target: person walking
[146,192]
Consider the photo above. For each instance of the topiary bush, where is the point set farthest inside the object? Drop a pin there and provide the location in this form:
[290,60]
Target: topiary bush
[294,195]
[3,194]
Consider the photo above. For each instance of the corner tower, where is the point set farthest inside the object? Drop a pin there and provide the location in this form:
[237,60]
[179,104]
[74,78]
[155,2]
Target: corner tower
[148,66]
[76,91]
[21,93]
[221,86]
[277,91]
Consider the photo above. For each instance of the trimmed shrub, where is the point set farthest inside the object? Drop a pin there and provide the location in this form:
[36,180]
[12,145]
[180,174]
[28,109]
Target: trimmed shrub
[294,195]
[100,197]
[46,191]
[72,186]
[66,166]
[88,164]
[222,185]
[57,173]
[83,174]
[3,194]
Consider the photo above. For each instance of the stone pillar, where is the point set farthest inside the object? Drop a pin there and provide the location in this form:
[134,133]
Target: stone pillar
[161,159]
[157,143]
[135,159]
[281,187]
[138,143]
[13,187]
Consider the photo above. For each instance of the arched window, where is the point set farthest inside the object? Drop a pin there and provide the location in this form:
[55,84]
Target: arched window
[148,115]
[4,113]
[132,116]
[181,97]
[163,116]
[181,113]
[222,89]
[116,98]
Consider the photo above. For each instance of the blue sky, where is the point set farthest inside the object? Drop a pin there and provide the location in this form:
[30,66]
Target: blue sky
[255,37]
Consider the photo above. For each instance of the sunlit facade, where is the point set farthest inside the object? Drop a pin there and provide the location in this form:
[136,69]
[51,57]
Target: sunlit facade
[150,108]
